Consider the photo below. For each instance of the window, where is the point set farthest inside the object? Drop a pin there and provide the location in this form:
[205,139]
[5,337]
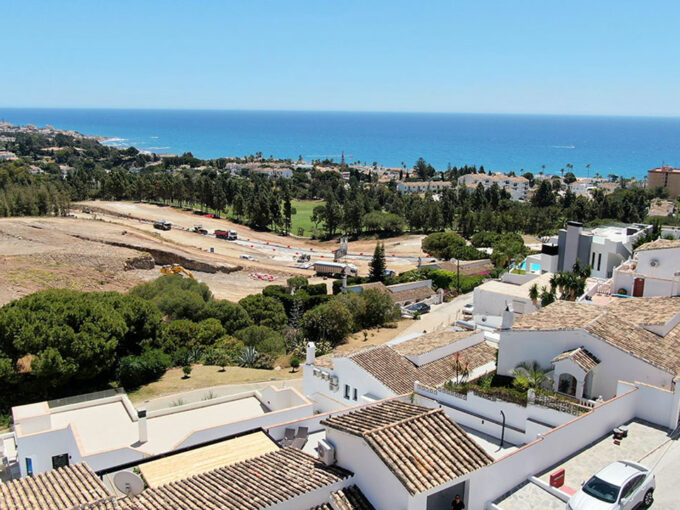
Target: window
[592,261]
[632,486]
[599,261]
[347,391]
[29,466]
[59,460]
[354,394]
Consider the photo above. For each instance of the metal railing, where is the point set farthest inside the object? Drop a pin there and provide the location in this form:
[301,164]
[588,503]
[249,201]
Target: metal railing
[86,397]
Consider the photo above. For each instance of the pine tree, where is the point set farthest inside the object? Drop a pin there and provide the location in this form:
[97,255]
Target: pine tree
[377,266]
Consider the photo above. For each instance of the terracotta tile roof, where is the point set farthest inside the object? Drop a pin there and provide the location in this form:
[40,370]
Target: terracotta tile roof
[374,416]
[372,285]
[427,450]
[253,484]
[558,315]
[649,310]
[422,447]
[570,315]
[417,294]
[431,341]
[581,357]
[350,498]
[67,488]
[617,324]
[398,373]
[636,341]
[660,244]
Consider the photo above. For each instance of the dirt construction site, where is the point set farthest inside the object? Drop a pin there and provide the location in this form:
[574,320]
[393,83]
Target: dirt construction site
[115,246]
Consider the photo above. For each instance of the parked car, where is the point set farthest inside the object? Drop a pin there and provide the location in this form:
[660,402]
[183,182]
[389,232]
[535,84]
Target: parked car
[420,308]
[468,309]
[622,485]
[248,257]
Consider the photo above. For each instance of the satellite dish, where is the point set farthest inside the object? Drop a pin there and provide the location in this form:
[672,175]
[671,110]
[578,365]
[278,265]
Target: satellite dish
[128,483]
[654,262]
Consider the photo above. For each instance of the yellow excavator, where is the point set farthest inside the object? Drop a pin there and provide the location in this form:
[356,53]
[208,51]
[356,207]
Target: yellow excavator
[176,269]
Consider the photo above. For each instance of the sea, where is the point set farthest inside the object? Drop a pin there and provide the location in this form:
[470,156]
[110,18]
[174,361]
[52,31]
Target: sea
[624,146]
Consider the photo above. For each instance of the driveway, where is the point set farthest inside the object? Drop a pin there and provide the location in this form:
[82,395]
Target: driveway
[441,316]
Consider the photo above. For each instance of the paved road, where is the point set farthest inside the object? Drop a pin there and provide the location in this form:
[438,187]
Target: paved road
[665,462]
[441,316]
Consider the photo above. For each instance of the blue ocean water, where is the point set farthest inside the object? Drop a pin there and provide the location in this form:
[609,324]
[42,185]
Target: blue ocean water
[626,146]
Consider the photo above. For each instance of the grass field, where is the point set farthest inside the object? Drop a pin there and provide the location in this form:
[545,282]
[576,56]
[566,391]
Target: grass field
[301,219]
[303,216]
[204,376]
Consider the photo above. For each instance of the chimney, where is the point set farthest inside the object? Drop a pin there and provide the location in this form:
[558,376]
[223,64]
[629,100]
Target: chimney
[141,422]
[344,281]
[311,353]
[508,318]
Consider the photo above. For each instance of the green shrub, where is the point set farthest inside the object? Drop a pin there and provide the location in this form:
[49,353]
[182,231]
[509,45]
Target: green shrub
[134,371]
[262,338]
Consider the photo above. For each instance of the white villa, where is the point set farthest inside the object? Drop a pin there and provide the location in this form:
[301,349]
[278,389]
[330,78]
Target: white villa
[422,186]
[588,349]
[107,430]
[335,381]
[653,271]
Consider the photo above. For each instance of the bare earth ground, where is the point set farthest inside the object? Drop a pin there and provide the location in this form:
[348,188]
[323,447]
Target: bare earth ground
[203,376]
[130,213]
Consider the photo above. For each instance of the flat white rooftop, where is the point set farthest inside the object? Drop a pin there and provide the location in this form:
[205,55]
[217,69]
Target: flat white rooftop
[106,426]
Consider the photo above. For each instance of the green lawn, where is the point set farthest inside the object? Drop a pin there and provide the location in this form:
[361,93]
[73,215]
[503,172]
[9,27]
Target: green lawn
[301,219]
[303,216]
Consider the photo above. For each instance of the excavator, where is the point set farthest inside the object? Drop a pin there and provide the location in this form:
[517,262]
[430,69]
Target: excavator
[176,269]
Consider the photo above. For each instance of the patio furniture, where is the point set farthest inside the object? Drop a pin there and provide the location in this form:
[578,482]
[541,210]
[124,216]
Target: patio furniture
[299,443]
[288,436]
[302,433]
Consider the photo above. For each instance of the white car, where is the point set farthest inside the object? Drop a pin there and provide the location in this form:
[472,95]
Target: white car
[622,485]
[248,257]
[468,309]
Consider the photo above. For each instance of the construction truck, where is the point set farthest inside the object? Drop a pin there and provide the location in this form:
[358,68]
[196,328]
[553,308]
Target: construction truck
[229,235]
[335,269]
[199,230]
[162,225]
[177,269]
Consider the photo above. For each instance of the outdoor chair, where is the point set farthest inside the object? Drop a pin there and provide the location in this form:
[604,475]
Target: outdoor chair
[299,443]
[302,433]
[288,436]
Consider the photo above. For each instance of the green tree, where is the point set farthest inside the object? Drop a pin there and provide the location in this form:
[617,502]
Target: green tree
[329,322]
[377,265]
[264,339]
[529,375]
[379,308]
[232,316]
[265,311]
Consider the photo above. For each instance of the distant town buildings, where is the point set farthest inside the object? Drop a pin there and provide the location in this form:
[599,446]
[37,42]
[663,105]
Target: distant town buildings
[665,176]
[517,187]
[7,156]
[422,186]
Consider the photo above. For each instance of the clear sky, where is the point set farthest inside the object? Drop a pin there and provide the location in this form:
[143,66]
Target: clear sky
[544,56]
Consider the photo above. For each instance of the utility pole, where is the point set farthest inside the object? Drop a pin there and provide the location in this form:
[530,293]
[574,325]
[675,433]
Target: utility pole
[458,274]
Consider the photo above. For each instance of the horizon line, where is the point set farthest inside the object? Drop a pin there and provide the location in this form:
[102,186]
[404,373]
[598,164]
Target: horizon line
[408,112]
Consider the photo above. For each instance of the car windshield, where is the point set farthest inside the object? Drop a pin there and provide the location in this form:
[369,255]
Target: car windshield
[599,489]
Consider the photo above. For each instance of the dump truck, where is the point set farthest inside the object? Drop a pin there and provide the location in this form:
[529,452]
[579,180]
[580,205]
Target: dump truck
[335,269]
[229,235]
[162,225]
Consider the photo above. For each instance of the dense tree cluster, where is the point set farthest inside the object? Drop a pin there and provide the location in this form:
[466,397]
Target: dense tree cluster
[84,169]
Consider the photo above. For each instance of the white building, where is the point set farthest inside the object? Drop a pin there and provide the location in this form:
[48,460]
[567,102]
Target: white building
[422,186]
[510,293]
[286,173]
[7,156]
[588,349]
[335,381]
[109,430]
[403,294]
[602,248]
[517,187]
[653,271]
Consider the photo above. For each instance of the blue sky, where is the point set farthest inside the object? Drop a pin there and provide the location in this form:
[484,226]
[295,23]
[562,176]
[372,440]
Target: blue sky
[545,56]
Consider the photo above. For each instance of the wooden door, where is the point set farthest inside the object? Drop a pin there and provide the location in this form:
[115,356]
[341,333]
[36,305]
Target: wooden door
[638,287]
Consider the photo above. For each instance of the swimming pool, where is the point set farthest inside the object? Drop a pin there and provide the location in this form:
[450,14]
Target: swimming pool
[534,266]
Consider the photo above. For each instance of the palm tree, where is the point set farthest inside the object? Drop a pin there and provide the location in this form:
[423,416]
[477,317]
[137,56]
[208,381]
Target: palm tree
[588,169]
[533,293]
[529,376]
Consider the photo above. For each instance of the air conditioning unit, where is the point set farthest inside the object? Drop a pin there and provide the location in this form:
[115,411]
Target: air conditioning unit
[326,452]
[334,383]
